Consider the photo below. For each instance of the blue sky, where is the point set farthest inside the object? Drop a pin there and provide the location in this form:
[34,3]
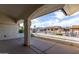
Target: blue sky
[56,18]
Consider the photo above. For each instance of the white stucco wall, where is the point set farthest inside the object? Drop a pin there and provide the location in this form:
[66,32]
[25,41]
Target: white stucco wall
[8,28]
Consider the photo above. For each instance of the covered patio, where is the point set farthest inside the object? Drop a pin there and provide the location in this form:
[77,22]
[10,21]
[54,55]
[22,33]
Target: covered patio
[12,42]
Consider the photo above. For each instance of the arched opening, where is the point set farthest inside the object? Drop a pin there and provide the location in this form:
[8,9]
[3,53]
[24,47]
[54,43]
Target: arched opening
[62,24]
[20,28]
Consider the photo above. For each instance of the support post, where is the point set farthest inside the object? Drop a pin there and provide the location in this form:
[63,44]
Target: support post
[26,32]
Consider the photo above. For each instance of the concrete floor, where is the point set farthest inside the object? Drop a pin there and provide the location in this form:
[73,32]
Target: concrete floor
[14,46]
[37,46]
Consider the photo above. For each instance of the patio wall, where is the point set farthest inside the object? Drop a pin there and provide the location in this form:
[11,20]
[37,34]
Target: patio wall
[8,28]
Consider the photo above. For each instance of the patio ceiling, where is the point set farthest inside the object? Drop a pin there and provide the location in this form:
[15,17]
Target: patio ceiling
[18,11]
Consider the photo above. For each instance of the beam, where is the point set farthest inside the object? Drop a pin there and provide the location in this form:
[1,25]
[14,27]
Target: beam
[71,8]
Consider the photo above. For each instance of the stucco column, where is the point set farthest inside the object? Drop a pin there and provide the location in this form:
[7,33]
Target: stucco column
[26,32]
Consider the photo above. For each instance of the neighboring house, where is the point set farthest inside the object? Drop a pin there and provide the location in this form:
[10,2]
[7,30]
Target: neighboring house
[49,29]
[75,29]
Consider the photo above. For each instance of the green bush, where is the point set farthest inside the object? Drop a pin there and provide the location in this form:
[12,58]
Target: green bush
[21,30]
[59,34]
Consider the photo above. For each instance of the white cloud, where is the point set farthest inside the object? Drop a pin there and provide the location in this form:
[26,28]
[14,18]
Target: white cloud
[59,14]
[69,22]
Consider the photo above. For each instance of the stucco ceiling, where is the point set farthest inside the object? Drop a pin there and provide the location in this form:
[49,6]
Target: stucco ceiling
[18,11]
